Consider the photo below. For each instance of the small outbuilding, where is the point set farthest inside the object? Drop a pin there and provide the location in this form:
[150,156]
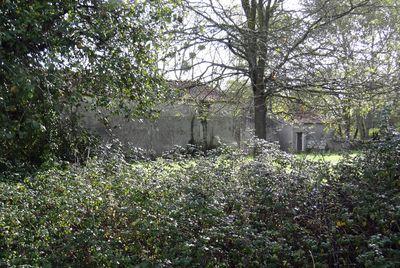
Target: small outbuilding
[306,132]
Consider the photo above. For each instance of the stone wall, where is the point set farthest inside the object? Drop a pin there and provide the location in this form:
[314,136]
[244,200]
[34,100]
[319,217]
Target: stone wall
[176,125]
[314,135]
[188,123]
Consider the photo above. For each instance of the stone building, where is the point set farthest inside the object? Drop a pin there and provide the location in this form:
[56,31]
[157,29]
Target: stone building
[201,115]
[306,132]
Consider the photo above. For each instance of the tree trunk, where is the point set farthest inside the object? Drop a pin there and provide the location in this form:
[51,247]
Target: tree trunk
[205,133]
[260,114]
[192,141]
[356,133]
[340,132]
[364,132]
[347,122]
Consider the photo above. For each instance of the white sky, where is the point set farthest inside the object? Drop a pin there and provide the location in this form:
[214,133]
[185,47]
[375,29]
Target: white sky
[223,53]
[289,4]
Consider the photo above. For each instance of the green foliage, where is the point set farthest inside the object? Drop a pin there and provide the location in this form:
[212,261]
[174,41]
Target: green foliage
[57,55]
[225,210]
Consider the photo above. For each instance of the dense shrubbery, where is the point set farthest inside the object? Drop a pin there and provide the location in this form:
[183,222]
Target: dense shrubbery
[61,59]
[225,209]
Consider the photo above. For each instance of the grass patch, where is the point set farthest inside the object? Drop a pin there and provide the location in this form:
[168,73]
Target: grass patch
[331,158]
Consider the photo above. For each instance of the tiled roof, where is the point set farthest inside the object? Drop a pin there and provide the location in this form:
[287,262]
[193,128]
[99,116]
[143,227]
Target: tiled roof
[197,91]
[307,118]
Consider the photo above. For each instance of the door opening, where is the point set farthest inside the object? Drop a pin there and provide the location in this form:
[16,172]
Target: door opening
[299,141]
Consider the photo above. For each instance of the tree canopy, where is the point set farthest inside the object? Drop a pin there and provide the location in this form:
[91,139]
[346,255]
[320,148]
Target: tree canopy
[281,50]
[55,55]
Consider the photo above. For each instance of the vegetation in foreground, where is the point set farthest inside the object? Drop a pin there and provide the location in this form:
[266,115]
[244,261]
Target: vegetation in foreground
[222,210]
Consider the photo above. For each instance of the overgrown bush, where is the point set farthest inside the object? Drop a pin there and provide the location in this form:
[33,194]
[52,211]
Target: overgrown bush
[225,209]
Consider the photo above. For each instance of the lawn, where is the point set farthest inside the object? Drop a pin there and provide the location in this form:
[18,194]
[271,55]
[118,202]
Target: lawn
[329,157]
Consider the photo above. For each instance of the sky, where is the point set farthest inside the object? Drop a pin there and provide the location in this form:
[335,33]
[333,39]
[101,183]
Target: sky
[223,53]
[289,4]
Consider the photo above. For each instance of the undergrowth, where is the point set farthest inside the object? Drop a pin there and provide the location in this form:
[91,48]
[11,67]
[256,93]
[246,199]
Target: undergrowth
[217,209]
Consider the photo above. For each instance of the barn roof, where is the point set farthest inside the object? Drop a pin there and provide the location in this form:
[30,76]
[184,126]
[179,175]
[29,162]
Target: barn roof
[307,117]
[197,91]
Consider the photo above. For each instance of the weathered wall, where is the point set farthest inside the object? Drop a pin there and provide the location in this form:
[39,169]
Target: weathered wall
[184,123]
[314,135]
[176,125]
[285,137]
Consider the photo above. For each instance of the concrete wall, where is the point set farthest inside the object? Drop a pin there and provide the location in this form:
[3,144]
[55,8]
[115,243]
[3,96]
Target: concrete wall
[176,125]
[285,137]
[314,136]
[184,123]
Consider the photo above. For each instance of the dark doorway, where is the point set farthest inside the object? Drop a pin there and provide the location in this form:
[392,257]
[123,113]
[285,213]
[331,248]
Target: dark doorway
[299,141]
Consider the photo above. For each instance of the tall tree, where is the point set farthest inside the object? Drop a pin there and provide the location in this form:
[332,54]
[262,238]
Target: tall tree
[263,40]
[361,68]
